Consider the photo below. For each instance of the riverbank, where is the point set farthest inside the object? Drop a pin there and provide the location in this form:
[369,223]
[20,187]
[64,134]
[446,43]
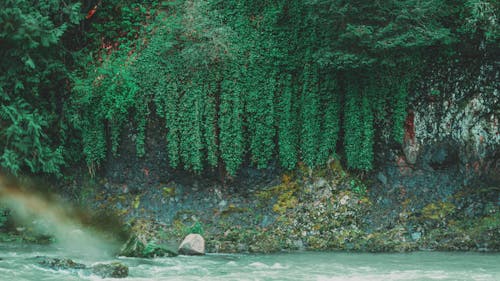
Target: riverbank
[324,209]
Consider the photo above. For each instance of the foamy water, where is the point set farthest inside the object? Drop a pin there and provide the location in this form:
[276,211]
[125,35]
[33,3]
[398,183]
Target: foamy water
[16,264]
[75,241]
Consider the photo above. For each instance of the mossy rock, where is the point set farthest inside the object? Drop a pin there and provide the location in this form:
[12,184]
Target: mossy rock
[9,237]
[168,192]
[232,209]
[264,242]
[437,212]
[136,247]
[479,234]
[448,239]
[153,249]
[144,240]
[41,239]
[112,270]
[59,264]
[392,240]
[185,216]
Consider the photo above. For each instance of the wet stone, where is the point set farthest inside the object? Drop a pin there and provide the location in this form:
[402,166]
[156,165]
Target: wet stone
[112,270]
[193,244]
[59,264]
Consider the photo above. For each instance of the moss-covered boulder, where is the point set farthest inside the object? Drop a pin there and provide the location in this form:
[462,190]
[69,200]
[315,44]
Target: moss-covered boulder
[111,270]
[59,263]
[136,247]
[145,242]
[160,249]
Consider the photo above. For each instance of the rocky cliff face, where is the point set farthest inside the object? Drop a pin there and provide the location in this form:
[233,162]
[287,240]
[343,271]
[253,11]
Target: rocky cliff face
[452,135]
[460,123]
[436,190]
[451,140]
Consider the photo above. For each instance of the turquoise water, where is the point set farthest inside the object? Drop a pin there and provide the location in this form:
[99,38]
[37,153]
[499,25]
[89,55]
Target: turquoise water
[16,264]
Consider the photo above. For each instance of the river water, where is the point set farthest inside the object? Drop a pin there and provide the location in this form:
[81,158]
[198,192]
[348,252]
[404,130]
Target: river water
[16,264]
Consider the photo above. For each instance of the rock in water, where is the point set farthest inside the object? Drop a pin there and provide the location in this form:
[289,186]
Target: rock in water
[153,250]
[193,244]
[113,270]
[137,247]
[134,247]
[58,264]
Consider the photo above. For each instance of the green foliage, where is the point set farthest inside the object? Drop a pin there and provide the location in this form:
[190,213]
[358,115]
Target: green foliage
[232,82]
[190,115]
[24,140]
[353,121]
[33,83]
[287,127]
[117,21]
[330,125]
[173,124]
[197,228]
[366,147]
[358,187]
[105,97]
[309,116]
[231,125]
[359,120]
[210,126]
[259,80]
[435,92]
[482,20]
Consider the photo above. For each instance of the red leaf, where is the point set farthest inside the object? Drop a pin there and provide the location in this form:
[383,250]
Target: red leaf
[91,12]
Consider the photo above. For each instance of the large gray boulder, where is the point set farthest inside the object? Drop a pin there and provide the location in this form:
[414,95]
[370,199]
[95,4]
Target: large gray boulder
[193,244]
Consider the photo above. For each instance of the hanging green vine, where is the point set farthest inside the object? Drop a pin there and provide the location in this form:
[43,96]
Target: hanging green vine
[248,82]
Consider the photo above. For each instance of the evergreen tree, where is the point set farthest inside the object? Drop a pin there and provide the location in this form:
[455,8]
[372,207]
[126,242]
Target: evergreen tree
[33,83]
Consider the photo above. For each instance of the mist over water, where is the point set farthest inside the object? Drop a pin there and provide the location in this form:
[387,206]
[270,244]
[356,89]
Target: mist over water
[52,216]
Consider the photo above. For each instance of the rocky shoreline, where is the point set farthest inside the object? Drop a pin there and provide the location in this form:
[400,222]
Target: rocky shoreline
[340,213]
[324,209]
